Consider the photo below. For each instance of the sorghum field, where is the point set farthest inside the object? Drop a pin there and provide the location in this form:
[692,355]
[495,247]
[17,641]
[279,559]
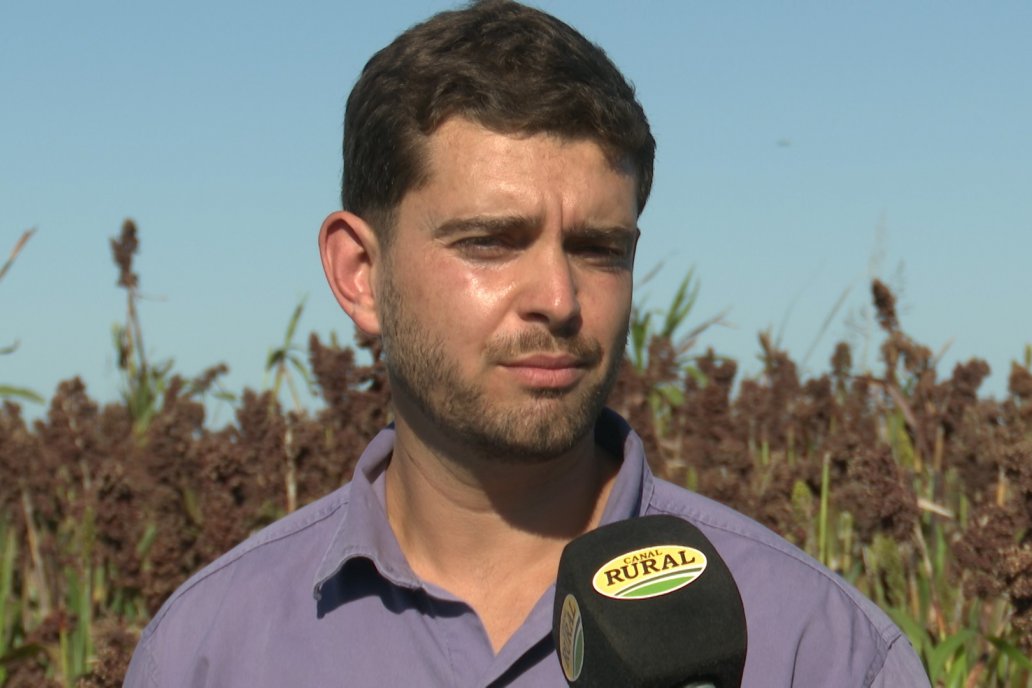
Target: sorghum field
[904,480]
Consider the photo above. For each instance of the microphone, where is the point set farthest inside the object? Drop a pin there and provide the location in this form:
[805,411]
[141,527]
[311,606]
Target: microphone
[648,603]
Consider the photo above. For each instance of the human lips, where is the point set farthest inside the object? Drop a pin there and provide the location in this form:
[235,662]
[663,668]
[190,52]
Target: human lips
[547,370]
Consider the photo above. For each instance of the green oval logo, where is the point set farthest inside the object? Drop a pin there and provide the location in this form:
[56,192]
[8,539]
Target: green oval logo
[571,639]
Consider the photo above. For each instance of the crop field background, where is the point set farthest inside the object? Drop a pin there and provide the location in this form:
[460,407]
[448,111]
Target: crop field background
[903,479]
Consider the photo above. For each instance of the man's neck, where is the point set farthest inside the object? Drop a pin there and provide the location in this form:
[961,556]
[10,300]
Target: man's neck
[471,525]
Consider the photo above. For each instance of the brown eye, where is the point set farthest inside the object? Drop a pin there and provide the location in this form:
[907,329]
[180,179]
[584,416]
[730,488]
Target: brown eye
[483,247]
[607,254]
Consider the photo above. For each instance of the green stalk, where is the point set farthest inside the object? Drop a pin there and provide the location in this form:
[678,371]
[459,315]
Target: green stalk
[8,556]
[75,645]
[822,519]
[63,658]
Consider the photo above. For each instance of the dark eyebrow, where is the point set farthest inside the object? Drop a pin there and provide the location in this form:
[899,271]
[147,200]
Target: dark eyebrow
[489,224]
[583,232]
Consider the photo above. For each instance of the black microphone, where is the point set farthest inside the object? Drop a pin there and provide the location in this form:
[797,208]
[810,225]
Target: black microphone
[648,603]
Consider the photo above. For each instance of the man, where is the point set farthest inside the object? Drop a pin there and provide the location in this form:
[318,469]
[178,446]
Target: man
[495,165]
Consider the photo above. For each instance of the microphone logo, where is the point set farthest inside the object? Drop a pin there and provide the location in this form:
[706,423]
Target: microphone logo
[649,572]
[571,639]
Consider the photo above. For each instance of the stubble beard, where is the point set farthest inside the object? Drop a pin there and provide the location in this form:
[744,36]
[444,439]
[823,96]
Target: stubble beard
[540,426]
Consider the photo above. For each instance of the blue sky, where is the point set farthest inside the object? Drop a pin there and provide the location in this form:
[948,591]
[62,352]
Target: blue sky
[803,147]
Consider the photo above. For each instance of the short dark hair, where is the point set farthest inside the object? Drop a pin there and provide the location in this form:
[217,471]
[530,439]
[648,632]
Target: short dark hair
[505,66]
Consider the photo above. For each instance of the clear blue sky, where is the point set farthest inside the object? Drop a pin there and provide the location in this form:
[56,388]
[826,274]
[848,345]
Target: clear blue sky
[803,146]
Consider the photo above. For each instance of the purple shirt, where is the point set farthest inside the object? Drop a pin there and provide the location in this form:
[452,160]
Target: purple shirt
[251,619]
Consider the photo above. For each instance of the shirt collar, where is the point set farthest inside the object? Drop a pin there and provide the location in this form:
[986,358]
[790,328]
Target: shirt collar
[634,484]
[364,530]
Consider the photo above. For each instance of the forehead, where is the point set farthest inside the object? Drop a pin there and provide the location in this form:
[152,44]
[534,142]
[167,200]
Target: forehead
[458,134]
[476,169]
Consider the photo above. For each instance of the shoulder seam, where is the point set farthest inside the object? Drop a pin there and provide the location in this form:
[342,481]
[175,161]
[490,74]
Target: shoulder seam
[260,539]
[888,634]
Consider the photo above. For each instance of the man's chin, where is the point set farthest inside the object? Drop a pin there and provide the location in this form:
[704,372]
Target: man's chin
[534,434]
[550,393]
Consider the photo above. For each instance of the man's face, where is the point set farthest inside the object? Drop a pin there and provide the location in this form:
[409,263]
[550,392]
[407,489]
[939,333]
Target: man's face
[506,290]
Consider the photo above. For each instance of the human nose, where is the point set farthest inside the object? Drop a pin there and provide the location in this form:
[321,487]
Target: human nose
[550,293]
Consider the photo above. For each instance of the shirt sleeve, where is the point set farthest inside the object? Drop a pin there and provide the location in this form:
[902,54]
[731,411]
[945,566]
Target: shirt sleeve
[902,668]
[142,670]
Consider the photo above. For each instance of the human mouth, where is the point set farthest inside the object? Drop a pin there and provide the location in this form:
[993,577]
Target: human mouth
[547,371]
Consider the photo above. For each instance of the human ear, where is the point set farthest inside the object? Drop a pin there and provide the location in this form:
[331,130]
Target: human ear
[350,254]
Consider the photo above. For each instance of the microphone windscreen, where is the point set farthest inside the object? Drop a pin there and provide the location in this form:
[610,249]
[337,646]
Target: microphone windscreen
[648,603]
